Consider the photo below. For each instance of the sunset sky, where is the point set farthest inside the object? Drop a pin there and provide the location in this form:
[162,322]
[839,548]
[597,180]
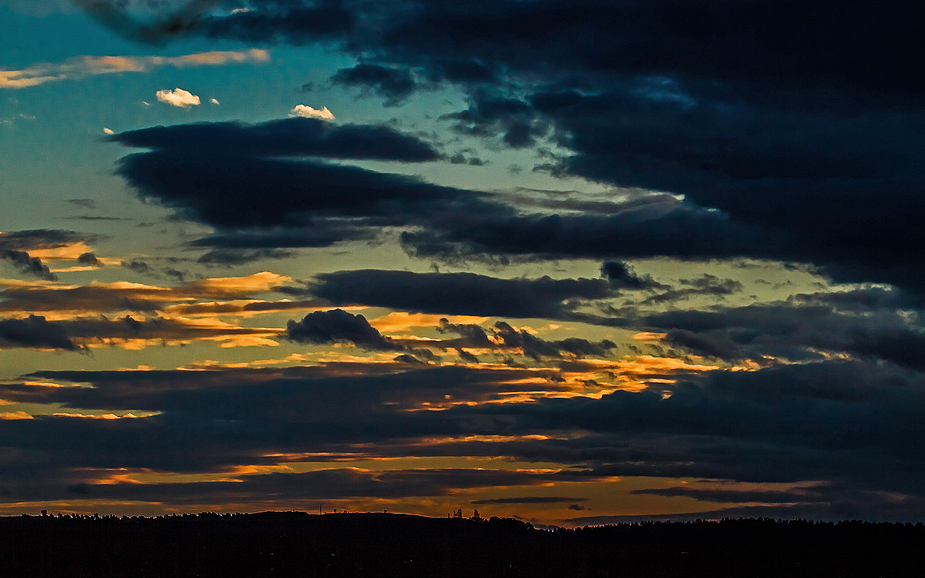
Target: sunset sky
[574,261]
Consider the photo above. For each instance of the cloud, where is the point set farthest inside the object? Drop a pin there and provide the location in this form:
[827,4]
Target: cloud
[337,325]
[529,500]
[84,66]
[301,110]
[118,17]
[178,97]
[214,101]
[716,93]
[26,264]
[784,424]
[621,276]
[35,332]
[292,137]
[458,293]
[537,348]
[20,248]
[392,84]
[89,259]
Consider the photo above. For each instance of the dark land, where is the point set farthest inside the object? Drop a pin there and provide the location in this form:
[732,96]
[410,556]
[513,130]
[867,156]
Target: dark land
[371,545]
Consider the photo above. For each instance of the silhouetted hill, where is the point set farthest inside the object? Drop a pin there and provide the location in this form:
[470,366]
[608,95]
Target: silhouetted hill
[371,545]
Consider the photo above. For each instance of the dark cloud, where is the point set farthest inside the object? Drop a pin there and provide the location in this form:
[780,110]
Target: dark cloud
[705,285]
[35,332]
[296,22]
[169,20]
[763,115]
[472,335]
[291,137]
[491,114]
[621,276]
[459,293]
[467,357]
[719,347]
[393,84]
[672,229]
[137,266]
[538,348]
[858,323]
[460,158]
[89,259]
[337,325]
[196,169]
[789,424]
[15,247]
[28,265]
[762,44]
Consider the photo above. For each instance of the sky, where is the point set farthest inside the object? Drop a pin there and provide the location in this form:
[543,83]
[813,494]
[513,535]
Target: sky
[572,261]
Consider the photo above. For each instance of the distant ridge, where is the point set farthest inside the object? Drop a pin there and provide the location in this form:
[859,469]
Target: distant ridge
[378,544]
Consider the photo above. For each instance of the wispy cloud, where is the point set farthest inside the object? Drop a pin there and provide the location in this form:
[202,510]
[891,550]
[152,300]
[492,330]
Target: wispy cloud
[84,66]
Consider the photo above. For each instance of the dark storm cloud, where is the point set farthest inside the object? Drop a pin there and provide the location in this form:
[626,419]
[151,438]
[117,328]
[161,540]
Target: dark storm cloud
[763,114]
[294,21]
[291,137]
[279,202]
[392,84]
[459,293]
[35,332]
[337,325]
[274,193]
[770,170]
[858,323]
[758,50]
[674,229]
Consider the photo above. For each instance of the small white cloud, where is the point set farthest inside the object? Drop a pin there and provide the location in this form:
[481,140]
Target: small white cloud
[178,97]
[309,112]
[214,101]
[108,130]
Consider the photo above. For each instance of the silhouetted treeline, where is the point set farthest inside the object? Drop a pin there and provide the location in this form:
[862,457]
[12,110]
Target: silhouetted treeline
[371,545]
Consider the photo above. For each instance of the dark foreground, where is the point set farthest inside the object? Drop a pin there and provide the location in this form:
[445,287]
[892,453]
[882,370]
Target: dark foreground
[370,545]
